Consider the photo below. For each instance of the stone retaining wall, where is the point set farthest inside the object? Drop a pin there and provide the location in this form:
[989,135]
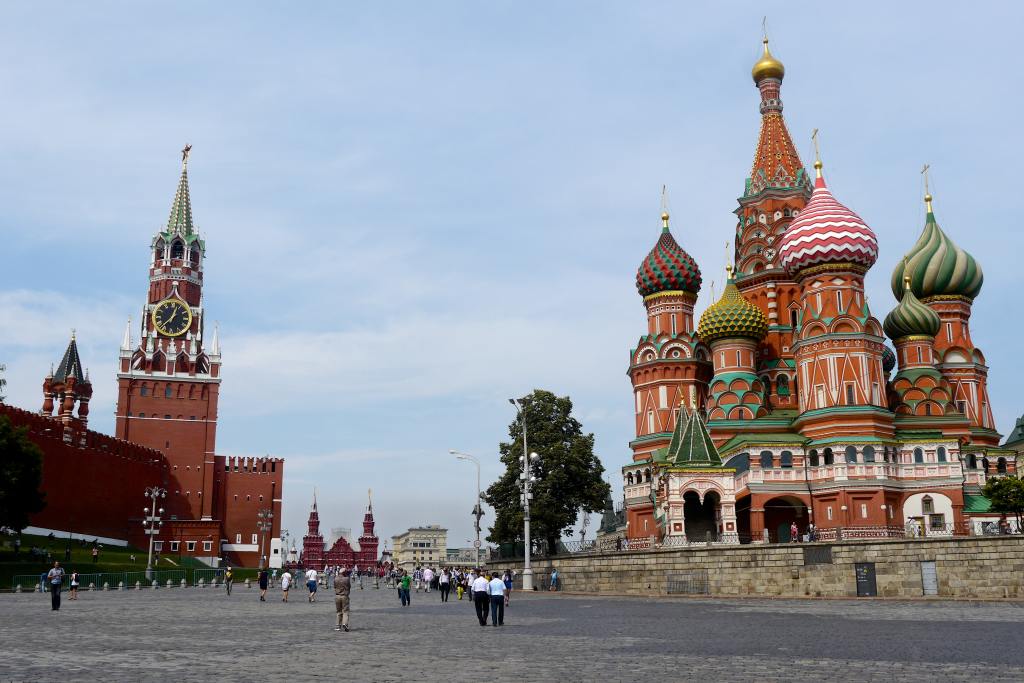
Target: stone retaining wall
[982,567]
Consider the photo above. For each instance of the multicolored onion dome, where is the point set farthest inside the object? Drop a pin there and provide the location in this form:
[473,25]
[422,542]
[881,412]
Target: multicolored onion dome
[767,66]
[668,267]
[826,232]
[911,317]
[888,359]
[937,267]
[732,316]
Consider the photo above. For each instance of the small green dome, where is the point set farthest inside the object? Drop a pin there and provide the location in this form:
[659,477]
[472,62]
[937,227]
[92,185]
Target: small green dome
[911,317]
[732,316]
[937,267]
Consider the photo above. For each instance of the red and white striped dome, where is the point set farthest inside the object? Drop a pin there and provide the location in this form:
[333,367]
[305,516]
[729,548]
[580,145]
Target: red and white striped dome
[826,232]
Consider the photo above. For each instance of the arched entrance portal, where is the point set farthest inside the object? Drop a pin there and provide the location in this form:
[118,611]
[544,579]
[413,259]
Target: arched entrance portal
[779,515]
[702,518]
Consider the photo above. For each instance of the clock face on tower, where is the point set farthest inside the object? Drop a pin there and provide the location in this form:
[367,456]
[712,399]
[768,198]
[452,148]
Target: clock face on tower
[172,317]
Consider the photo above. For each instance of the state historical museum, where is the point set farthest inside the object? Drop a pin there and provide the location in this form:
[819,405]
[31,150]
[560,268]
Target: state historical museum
[779,407]
[168,380]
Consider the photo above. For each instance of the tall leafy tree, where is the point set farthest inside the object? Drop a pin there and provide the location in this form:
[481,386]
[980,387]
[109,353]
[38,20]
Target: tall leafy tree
[568,474]
[1007,496]
[21,475]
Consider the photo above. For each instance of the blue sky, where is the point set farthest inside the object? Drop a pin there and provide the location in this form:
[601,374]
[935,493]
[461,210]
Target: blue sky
[417,210]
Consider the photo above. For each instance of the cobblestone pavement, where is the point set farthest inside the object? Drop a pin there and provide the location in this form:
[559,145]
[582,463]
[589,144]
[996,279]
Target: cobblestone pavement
[202,634]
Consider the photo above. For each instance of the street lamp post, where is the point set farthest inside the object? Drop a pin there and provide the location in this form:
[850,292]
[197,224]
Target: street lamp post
[477,512]
[526,478]
[264,523]
[152,523]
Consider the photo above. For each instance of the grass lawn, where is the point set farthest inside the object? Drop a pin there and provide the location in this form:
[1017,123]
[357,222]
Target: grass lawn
[111,559]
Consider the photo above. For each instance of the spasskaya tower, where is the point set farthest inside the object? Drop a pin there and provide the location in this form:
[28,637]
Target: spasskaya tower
[169,379]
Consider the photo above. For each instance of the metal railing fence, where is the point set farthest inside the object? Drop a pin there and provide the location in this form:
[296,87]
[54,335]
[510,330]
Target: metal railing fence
[96,581]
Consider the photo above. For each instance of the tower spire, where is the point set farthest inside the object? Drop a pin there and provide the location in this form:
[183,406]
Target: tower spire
[664,208]
[927,193]
[817,154]
[180,219]
[126,343]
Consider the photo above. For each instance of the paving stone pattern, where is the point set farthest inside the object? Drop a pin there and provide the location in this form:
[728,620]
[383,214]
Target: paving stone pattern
[203,635]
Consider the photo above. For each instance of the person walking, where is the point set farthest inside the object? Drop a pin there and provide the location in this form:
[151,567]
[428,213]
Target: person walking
[56,578]
[95,554]
[403,589]
[507,579]
[229,579]
[444,582]
[311,583]
[496,591]
[428,578]
[342,596]
[74,585]
[417,576]
[481,599]
[286,583]
[554,580]
[263,579]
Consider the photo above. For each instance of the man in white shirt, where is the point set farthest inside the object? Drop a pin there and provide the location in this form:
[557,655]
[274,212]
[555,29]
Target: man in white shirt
[496,589]
[311,584]
[428,577]
[480,599]
[286,583]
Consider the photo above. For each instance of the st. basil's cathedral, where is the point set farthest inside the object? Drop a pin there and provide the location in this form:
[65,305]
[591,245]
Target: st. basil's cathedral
[779,407]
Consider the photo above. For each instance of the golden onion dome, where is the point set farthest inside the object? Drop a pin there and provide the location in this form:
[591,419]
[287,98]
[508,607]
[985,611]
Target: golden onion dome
[767,66]
[732,316]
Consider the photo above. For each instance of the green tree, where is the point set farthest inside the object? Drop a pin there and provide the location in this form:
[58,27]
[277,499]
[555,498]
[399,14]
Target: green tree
[1007,496]
[568,474]
[21,474]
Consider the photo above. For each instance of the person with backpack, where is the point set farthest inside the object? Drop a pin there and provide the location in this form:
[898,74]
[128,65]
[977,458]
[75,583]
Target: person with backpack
[229,579]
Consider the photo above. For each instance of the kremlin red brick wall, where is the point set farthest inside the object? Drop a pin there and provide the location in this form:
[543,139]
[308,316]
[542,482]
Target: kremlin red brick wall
[94,484]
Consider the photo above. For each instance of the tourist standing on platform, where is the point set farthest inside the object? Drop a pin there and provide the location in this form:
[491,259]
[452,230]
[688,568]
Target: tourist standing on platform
[229,579]
[342,597]
[481,599]
[496,590]
[403,589]
[55,577]
[286,583]
[311,583]
[428,578]
[264,582]
[444,582]
[74,585]
[794,533]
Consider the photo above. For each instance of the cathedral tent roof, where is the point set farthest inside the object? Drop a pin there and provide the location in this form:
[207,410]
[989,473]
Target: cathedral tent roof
[691,445]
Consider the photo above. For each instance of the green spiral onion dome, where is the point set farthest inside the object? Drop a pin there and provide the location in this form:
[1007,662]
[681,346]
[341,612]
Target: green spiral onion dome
[668,267]
[732,316]
[911,317]
[937,267]
[888,359]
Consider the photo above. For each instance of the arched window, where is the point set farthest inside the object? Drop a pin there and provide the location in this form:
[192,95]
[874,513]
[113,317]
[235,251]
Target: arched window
[629,478]
[142,415]
[177,250]
[972,461]
[919,455]
[647,474]
[158,250]
[194,256]
[168,392]
[869,454]
[984,464]
[851,454]
[940,454]
[927,505]
[786,459]
[829,457]
[782,386]
[1001,465]
[814,457]
[143,390]
[766,460]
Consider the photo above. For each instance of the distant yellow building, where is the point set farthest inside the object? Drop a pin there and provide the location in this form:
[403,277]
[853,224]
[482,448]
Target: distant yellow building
[420,547]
